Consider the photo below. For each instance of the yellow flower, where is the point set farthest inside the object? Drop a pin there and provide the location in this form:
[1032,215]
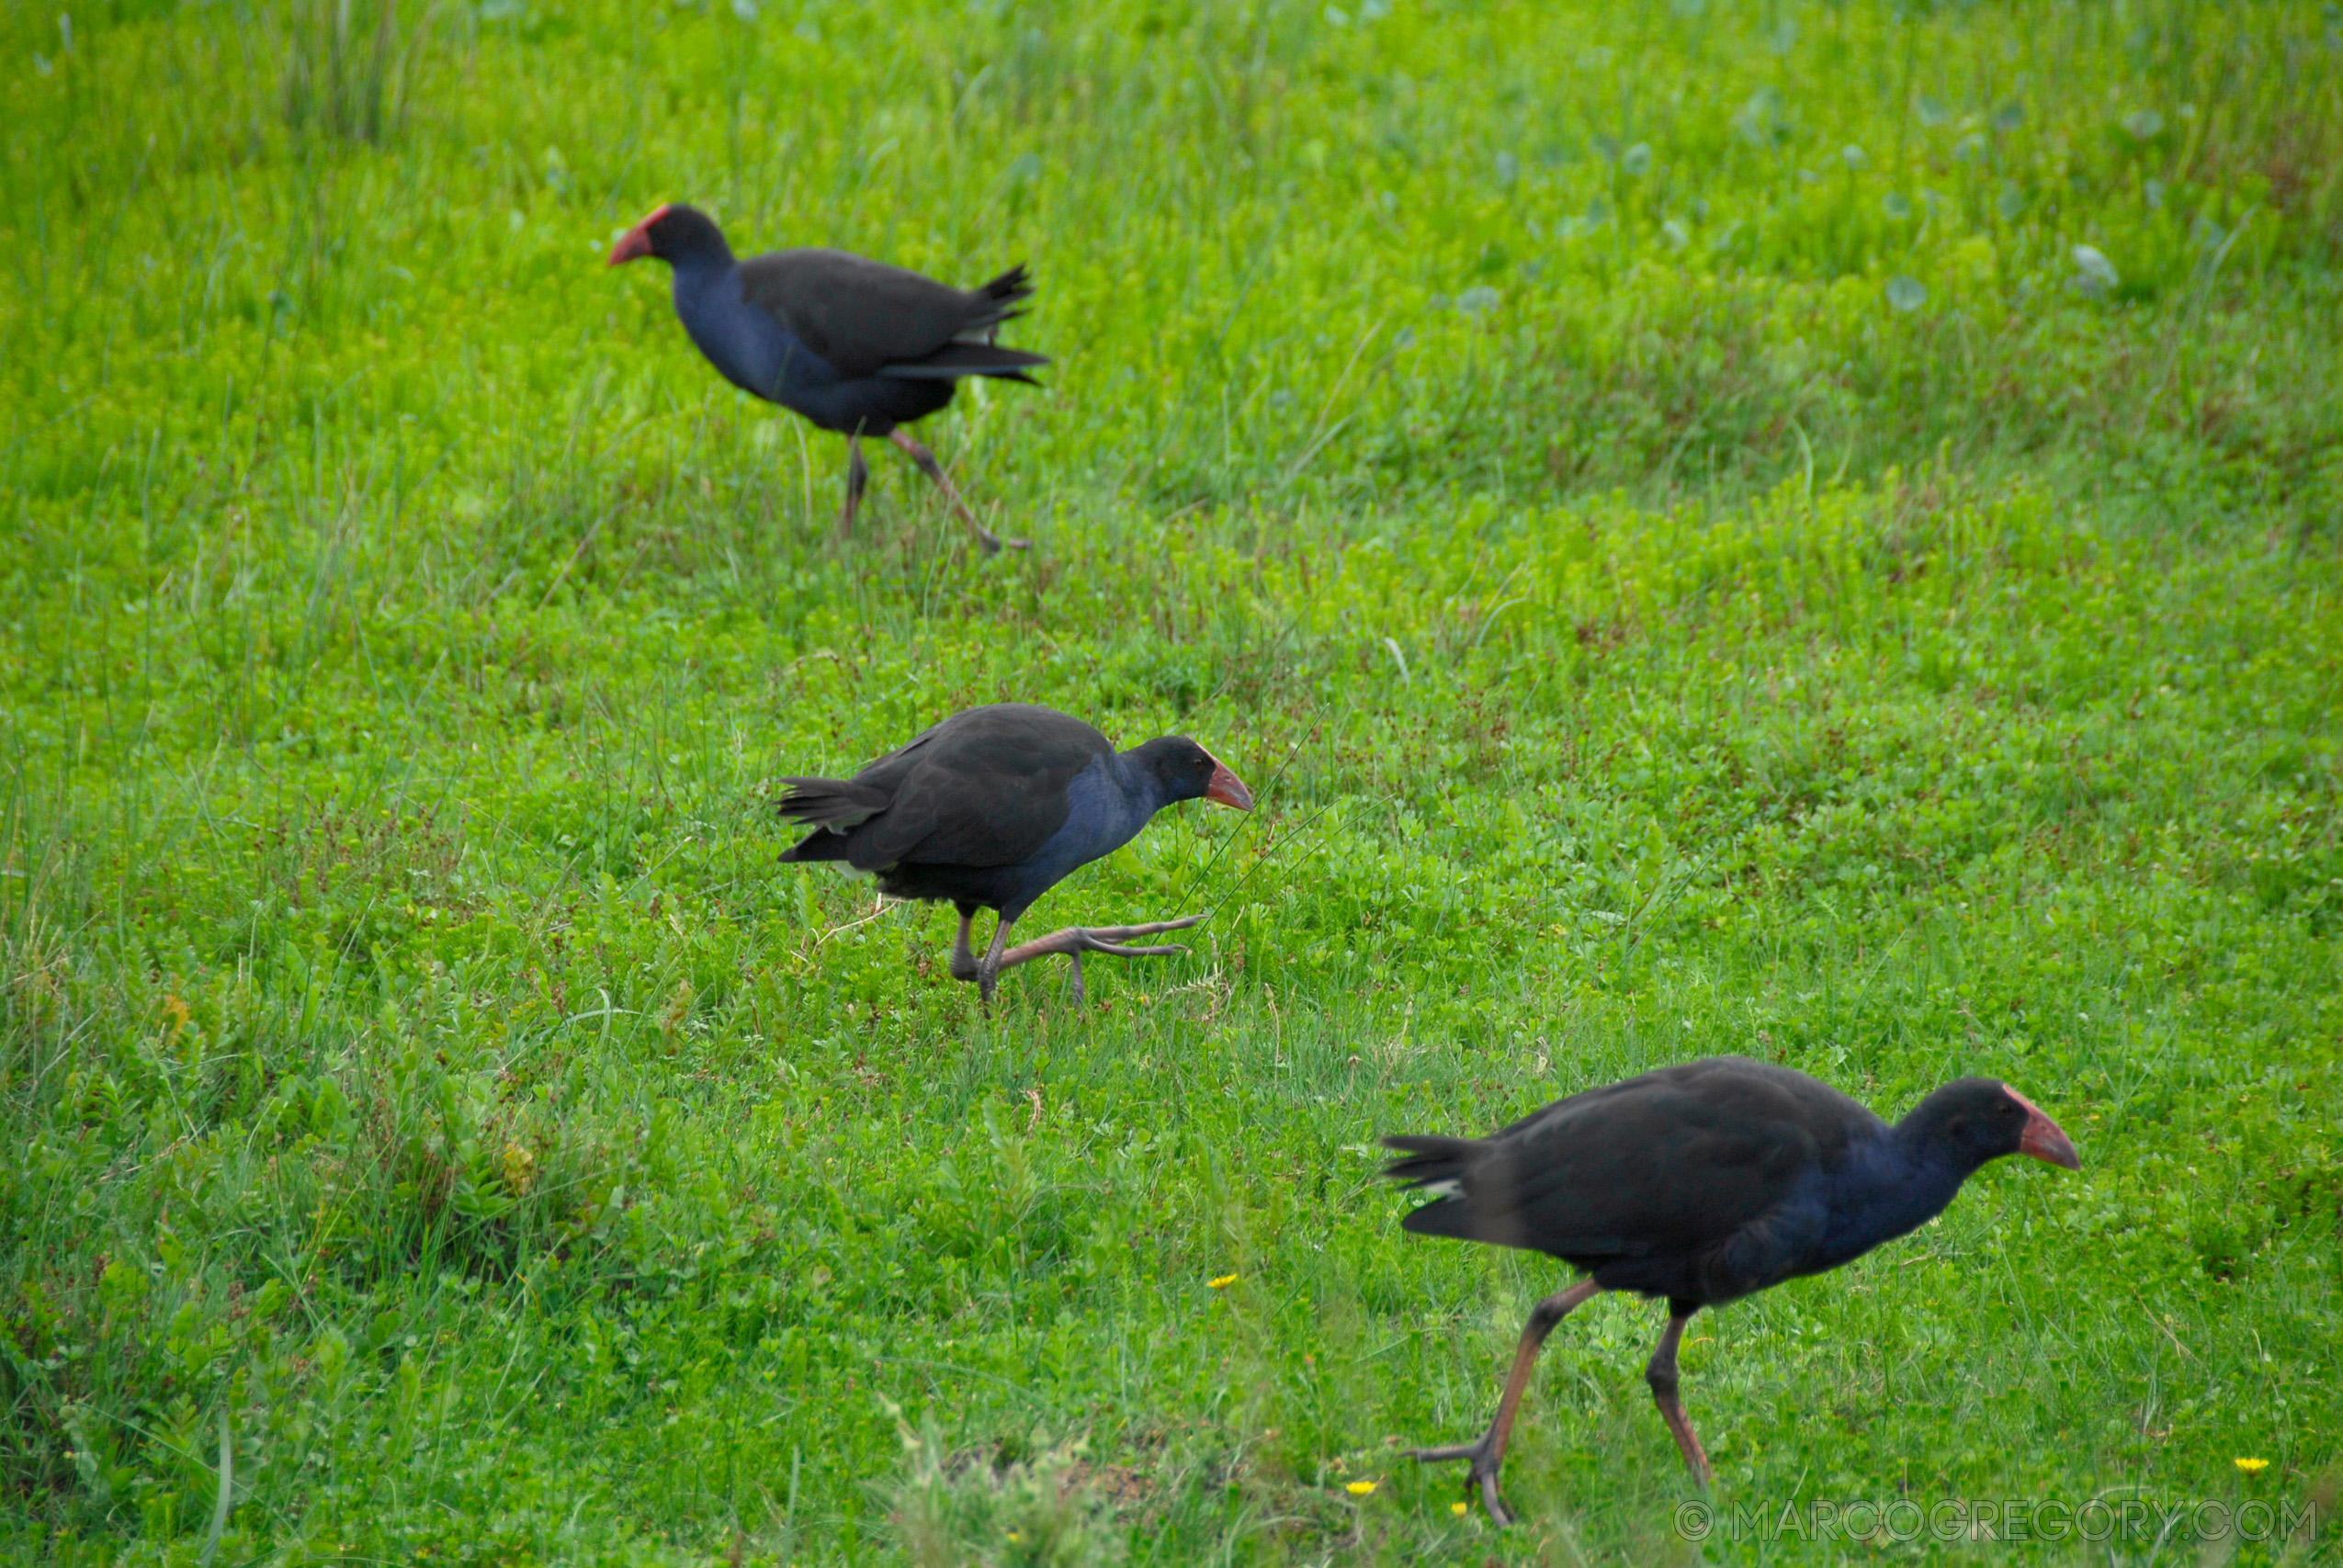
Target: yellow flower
[1459,1509]
[1222,1283]
[1360,1488]
[2252,1466]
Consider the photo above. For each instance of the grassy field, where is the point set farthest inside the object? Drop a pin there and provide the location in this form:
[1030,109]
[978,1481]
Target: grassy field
[1802,529]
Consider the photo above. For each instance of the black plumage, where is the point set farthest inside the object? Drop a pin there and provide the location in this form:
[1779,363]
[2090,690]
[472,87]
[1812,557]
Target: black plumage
[854,345]
[992,808]
[1699,1184]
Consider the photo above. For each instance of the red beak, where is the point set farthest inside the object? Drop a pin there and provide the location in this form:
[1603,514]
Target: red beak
[1229,789]
[2043,1139]
[635,244]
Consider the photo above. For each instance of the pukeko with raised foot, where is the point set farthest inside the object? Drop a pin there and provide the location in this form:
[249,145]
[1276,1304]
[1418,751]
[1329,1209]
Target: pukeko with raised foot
[992,809]
[854,345]
[1701,1184]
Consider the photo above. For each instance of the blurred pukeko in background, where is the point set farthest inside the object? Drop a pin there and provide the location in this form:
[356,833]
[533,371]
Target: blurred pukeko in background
[992,809]
[854,345]
[1700,1184]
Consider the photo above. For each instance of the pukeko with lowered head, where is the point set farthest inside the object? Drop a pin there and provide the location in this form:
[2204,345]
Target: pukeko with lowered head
[992,809]
[854,345]
[1700,1184]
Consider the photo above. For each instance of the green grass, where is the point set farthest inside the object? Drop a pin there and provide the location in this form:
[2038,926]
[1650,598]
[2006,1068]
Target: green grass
[1676,585]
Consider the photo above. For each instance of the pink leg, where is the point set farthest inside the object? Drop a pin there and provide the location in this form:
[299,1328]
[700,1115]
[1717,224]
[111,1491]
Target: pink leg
[857,475]
[934,470]
[1487,1455]
[1661,1374]
[964,959]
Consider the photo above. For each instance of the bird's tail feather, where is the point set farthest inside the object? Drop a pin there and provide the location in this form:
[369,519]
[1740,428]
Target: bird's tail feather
[834,804]
[1009,288]
[820,845]
[1437,1168]
[955,360]
[992,304]
[1430,1161]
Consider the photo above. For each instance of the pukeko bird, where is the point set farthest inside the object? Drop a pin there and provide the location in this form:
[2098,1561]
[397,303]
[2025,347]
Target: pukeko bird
[992,808]
[1700,1184]
[854,345]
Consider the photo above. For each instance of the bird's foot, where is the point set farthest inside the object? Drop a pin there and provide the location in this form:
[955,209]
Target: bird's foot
[1073,942]
[1113,941]
[1487,1458]
[991,544]
[1109,940]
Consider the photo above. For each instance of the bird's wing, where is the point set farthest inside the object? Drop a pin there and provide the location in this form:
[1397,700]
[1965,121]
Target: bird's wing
[985,787]
[1673,1162]
[862,316]
[957,359]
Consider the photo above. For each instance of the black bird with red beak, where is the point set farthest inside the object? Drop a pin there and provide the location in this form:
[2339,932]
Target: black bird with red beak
[854,345]
[994,806]
[1701,1184]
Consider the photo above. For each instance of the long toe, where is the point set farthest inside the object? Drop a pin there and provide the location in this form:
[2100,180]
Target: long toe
[1441,1456]
[1096,938]
[1124,934]
[1485,1463]
[1115,951]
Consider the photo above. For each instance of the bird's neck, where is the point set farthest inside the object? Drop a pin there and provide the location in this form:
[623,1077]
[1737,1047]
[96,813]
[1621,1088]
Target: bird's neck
[699,271]
[1892,1184]
[1140,783]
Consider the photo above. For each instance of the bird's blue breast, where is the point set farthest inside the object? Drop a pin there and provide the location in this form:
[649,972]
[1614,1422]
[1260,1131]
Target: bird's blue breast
[1103,812]
[1880,1193]
[1829,1217]
[747,346]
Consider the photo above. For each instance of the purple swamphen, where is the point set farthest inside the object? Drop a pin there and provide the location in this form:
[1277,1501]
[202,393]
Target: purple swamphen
[992,808]
[854,345]
[1701,1184]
